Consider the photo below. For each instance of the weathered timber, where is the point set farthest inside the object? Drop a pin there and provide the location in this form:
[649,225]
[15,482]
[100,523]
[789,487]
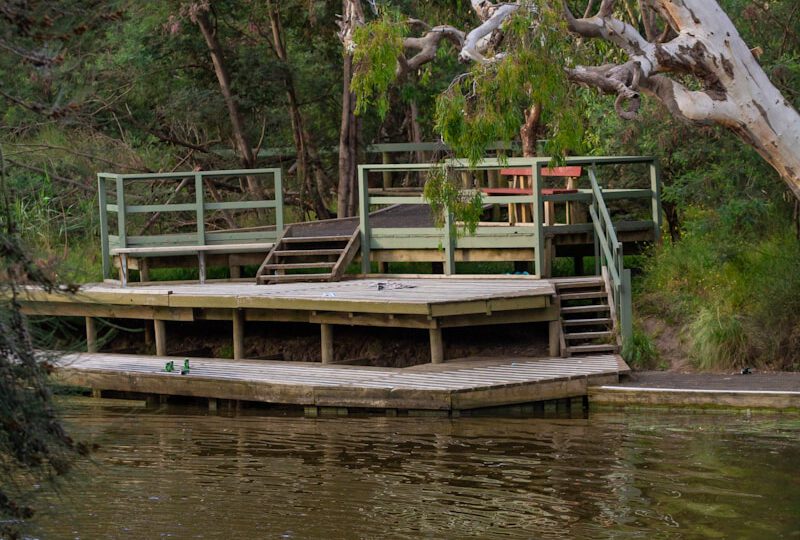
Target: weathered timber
[459,384]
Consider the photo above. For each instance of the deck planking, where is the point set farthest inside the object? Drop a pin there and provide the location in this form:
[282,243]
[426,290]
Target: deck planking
[416,295]
[455,385]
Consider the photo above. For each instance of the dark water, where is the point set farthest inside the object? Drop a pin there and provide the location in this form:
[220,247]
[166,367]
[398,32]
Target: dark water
[180,473]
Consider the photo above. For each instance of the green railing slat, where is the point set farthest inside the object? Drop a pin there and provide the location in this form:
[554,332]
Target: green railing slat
[151,208]
[200,236]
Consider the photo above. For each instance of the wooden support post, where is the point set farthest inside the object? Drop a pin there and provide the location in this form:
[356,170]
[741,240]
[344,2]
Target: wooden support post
[363,216]
[549,255]
[387,175]
[161,337]
[123,270]
[538,211]
[326,337]
[449,245]
[201,265]
[97,393]
[554,341]
[144,270]
[102,196]
[494,181]
[91,335]
[437,346]
[238,334]
[383,267]
[213,405]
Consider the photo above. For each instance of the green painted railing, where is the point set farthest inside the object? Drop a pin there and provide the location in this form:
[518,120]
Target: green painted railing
[200,207]
[608,249]
[526,236]
[609,256]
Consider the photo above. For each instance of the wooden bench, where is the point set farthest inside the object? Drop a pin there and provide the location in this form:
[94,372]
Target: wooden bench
[124,254]
[523,213]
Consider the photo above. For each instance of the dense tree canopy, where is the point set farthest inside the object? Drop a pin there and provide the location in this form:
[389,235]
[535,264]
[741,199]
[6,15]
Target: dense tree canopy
[124,86]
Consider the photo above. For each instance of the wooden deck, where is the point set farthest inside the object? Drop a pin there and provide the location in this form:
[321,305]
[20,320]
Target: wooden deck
[452,386]
[430,304]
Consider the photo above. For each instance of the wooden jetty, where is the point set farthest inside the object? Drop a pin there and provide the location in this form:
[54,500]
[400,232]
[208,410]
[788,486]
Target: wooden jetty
[588,316]
[432,304]
[453,386]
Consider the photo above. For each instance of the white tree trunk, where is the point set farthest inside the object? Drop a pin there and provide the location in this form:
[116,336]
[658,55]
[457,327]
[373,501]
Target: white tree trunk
[704,43]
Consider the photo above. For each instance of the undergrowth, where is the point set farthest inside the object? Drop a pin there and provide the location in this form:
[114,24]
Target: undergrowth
[733,287]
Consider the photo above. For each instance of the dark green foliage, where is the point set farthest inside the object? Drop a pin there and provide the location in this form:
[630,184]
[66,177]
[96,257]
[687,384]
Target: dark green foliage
[487,103]
[33,442]
[378,44]
[444,194]
[639,351]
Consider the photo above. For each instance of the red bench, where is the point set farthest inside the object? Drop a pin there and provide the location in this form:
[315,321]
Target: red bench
[523,213]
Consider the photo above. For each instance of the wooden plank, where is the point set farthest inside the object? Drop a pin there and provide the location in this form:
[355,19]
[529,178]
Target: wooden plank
[326,339]
[437,345]
[91,335]
[161,337]
[238,317]
[82,309]
[622,396]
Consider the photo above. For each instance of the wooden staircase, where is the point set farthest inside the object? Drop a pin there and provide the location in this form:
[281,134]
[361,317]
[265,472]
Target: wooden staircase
[588,322]
[320,258]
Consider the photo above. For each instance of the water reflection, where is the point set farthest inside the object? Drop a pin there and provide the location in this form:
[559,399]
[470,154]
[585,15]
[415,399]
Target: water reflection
[183,474]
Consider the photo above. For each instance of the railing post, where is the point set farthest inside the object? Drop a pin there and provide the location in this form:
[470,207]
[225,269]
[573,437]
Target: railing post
[363,215]
[626,306]
[278,178]
[386,158]
[102,198]
[449,244]
[655,187]
[538,213]
[199,209]
[121,213]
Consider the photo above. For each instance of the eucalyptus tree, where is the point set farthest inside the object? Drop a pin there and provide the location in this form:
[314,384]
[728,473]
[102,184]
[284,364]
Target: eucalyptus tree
[687,54]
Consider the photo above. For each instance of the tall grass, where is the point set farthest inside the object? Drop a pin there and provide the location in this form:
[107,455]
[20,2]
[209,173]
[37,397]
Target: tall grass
[734,288]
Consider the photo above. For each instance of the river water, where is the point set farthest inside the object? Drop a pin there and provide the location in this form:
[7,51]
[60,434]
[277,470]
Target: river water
[180,472]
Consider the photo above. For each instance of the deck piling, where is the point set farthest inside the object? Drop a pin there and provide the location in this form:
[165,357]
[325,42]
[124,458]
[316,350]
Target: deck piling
[91,335]
[161,336]
[238,334]
[326,337]
[437,346]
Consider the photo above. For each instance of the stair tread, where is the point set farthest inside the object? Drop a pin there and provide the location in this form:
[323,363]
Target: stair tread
[585,309]
[587,322]
[275,278]
[599,347]
[311,239]
[583,295]
[588,335]
[307,252]
[584,284]
[293,266]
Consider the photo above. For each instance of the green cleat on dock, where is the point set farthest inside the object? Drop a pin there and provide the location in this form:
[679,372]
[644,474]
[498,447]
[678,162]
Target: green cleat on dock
[185,369]
[169,367]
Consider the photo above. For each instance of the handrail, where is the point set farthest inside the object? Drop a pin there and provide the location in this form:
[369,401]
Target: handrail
[608,254]
[602,225]
[448,240]
[199,206]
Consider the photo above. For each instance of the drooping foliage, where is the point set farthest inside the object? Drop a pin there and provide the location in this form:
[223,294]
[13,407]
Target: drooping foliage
[487,103]
[33,442]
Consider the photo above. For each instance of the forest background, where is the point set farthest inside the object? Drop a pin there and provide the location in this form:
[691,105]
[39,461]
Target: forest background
[123,86]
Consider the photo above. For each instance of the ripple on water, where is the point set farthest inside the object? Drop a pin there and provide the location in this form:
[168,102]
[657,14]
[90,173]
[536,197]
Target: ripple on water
[188,475]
